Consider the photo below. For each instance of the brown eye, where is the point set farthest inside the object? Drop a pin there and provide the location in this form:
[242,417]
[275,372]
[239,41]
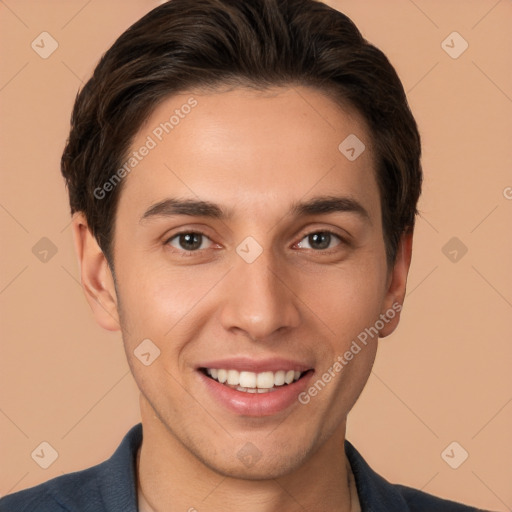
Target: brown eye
[319,241]
[189,241]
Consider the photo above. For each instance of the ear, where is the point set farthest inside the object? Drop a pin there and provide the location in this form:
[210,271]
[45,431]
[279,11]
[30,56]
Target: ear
[96,276]
[396,285]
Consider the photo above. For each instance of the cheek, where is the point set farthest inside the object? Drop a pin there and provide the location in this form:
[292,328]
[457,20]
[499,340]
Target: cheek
[348,298]
[157,301]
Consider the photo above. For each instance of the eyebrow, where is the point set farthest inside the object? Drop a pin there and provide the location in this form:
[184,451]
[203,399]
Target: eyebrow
[195,208]
[324,205]
[321,205]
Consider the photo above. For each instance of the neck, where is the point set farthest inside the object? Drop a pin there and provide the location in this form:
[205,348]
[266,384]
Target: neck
[171,478]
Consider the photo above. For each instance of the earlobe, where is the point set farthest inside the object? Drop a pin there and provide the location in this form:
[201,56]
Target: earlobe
[96,275]
[396,285]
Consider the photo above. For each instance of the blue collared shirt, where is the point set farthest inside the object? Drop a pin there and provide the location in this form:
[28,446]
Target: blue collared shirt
[112,487]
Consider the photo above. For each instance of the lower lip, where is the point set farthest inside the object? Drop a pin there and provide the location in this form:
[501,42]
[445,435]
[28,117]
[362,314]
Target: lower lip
[256,404]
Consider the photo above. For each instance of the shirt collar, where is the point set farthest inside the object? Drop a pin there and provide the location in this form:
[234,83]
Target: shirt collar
[375,493]
[117,479]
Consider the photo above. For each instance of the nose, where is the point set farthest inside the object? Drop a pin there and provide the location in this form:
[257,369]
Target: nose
[259,299]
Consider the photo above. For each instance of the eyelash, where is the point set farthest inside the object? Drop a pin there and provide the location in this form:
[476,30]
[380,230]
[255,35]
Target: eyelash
[184,252]
[342,241]
[187,253]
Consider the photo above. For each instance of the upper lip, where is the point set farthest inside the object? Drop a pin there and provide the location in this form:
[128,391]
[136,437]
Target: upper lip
[247,364]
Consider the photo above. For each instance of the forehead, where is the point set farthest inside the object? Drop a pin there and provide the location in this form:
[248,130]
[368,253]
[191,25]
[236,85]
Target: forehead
[261,150]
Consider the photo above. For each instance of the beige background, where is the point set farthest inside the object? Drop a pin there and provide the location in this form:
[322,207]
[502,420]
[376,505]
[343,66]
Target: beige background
[444,376]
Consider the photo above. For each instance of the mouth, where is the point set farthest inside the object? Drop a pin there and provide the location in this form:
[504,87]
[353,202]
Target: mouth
[250,387]
[252,382]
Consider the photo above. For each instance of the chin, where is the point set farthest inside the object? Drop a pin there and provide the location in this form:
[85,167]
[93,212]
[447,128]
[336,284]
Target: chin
[250,463]
[260,470]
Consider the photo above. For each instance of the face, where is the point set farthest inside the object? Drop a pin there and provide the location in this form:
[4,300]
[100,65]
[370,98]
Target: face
[248,247]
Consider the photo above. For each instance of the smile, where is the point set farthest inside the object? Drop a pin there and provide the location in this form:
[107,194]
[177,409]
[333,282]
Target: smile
[251,382]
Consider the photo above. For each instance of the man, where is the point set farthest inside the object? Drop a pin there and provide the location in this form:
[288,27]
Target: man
[243,178]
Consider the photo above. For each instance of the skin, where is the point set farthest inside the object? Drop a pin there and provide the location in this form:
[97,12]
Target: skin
[254,154]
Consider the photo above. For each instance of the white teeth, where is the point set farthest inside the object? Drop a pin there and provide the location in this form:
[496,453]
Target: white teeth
[233,377]
[252,382]
[254,390]
[248,380]
[265,380]
[279,378]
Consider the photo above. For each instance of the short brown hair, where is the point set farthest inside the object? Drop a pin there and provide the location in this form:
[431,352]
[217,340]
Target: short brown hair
[186,44]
